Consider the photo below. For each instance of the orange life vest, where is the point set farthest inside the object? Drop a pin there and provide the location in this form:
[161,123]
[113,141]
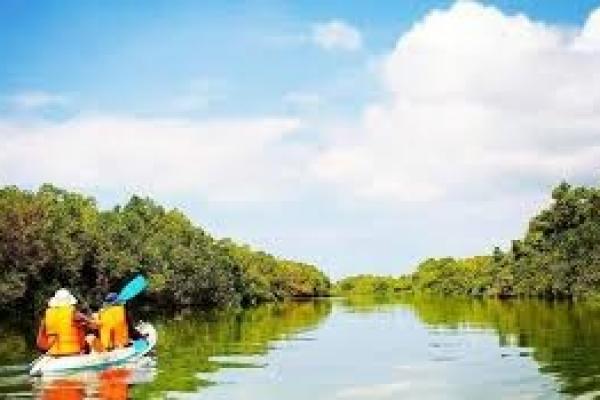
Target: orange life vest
[64,333]
[113,327]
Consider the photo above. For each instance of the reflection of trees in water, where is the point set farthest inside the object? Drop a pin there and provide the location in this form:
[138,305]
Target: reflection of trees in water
[15,352]
[14,347]
[564,337]
[187,342]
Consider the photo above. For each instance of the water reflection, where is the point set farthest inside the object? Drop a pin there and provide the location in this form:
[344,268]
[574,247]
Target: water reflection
[108,384]
[562,337]
[416,346]
[189,343]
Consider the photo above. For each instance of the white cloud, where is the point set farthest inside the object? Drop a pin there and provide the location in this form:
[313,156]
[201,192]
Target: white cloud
[244,159]
[36,99]
[480,111]
[589,38]
[476,100]
[337,35]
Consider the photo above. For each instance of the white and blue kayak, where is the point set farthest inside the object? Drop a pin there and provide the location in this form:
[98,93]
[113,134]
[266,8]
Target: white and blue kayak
[51,365]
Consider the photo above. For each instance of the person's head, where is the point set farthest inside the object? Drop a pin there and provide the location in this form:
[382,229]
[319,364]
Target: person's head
[84,308]
[62,298]
[111,298]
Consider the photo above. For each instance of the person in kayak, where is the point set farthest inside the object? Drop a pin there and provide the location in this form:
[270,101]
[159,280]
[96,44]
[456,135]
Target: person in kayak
[113,323]
[62,327]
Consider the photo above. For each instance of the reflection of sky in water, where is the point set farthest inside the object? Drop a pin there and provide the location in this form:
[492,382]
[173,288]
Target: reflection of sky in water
[382,355]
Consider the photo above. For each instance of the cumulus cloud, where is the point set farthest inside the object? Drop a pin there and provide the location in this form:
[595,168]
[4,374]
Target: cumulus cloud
[337,35]
[36,99]
[589,38]
[246,159]
[476,100]
[479,112]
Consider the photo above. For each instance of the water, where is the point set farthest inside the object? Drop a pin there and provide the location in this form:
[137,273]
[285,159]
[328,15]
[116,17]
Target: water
[362,348]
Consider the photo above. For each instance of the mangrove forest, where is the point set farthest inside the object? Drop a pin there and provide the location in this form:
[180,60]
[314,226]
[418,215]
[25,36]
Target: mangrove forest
[53,238]
[558,257]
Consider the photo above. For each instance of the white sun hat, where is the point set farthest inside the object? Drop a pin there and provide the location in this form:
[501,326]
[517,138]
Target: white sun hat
[62,298]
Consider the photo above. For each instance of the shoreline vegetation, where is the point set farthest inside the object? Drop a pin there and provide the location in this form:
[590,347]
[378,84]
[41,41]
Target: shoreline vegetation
[558,258]
[53,238]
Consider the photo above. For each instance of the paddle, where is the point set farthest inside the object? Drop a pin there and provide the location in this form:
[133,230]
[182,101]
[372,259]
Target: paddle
[132,289]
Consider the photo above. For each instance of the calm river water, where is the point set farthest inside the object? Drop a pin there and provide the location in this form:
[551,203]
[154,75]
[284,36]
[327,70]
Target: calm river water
[362,348]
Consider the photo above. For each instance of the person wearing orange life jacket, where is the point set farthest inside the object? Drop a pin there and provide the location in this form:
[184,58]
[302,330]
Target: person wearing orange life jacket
[112,318]
[62,325]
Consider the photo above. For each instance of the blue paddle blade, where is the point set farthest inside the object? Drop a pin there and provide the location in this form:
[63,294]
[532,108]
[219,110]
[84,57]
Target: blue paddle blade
[140,345]
[132,289]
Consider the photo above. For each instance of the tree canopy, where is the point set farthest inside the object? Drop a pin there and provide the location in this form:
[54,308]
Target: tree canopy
[558,257]
[53,238]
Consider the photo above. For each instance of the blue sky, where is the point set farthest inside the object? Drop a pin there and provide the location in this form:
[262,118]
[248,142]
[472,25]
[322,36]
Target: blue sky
[360,136]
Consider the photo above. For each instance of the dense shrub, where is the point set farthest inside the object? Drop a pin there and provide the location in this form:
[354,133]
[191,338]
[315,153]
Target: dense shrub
[53,238]
[559,257]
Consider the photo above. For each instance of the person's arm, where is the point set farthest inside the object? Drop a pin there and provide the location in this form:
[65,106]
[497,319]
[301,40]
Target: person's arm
[44,340]
[83,319]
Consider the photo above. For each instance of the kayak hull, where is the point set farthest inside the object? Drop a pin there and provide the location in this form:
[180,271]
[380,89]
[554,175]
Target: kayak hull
[49,365]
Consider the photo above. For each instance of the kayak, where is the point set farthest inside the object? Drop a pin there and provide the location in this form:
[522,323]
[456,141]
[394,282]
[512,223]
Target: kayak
[50,365]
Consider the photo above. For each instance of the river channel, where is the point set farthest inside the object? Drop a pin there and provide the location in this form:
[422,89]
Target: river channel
[358,348]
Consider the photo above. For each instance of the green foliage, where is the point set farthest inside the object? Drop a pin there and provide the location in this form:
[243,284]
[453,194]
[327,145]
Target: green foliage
[268,278]
[447,276]
[560,253]
[559,257]
[53,238]
[469,276]
[372,284]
